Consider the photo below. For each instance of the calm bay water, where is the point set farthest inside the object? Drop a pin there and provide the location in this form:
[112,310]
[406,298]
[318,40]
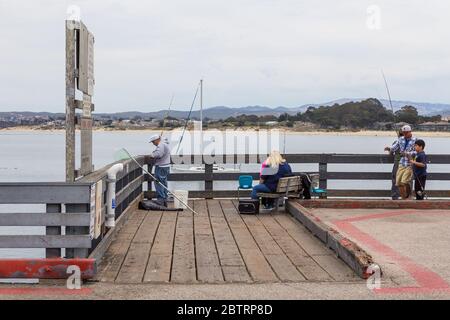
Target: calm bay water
[40,157]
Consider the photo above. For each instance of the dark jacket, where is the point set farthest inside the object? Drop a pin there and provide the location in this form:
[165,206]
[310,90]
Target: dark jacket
[421,157]
[272,181]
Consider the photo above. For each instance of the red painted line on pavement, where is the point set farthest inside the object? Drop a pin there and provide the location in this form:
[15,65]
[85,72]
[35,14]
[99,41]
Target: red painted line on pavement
[389,214]
[44,291]
[386,214]
[404,290]
[427,280]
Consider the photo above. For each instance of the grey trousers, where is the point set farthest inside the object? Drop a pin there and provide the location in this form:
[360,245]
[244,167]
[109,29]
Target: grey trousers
[395,193]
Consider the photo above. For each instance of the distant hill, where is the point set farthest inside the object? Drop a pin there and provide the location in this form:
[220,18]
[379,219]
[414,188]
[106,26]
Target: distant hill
[215,113]
[424,108]
[223,112]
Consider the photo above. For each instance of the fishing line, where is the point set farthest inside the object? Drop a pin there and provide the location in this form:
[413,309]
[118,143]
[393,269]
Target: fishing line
[167,114]
[188,118]
[123,154]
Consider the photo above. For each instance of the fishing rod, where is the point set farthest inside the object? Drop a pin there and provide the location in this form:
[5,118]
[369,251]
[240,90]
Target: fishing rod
[388,91]
[189,116]
[129,156]
[167,114]
[393,112]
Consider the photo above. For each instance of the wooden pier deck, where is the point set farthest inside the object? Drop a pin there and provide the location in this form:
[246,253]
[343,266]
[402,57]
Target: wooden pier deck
[218,246]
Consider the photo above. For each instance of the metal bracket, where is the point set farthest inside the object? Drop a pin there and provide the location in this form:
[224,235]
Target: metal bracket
[79,104]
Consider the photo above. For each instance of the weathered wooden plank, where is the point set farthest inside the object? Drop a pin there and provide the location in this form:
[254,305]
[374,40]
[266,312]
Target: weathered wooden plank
[86,141]
[45,219]
[132,270]
[183,266]
[50,231]
[66,241]
[310,222]
[135,263]
[207,260]
[296,254]
[52,193]
[102,173]
[70,102]
[293,158]
[233,266]
[331,193]
[109,237]
[160,262]
[357,175]
[306,240]
[254,259]
[113,259]
[236,274]
[77,252]
[147,230]
[209,179]
[299,158]
[336,268]
[233,176]
[129,189]
[208,194]
[279,262]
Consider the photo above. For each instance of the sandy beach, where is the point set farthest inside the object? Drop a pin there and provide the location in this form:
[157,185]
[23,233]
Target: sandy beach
[371,133]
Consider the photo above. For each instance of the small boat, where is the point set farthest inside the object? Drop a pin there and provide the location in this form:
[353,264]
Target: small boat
[216,167]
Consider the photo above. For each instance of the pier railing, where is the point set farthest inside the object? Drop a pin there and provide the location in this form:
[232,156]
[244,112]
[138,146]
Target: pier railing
[322,160]
[74,215]
[65,205]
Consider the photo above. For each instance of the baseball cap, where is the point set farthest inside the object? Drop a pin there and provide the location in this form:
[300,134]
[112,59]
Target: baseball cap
[155,137]
[406,128]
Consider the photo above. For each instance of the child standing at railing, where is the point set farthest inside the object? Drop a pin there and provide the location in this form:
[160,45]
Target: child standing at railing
[419,165]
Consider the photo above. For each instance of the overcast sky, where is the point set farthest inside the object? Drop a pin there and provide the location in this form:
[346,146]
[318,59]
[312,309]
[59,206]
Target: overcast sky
[249,52]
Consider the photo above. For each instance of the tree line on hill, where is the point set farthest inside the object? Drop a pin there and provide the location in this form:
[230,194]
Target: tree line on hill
[353,115]
[366,114]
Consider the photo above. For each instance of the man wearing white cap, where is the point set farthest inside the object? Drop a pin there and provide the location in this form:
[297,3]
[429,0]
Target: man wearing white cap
[405,146]
[162,167]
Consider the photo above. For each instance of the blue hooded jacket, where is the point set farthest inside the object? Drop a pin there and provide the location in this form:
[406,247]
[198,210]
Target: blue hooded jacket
[271,182]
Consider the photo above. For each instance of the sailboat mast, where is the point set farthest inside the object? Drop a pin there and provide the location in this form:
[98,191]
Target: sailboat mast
[201,116]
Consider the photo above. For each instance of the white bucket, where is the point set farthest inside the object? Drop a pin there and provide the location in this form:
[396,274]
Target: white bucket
[183,195]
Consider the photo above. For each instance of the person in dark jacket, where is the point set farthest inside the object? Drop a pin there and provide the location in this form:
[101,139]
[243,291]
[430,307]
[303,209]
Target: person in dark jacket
[419,163]
[268,183]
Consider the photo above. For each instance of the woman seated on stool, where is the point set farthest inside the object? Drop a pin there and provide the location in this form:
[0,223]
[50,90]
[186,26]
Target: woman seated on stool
[268,183]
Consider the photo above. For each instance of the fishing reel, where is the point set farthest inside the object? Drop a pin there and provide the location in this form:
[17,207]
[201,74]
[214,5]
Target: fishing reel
[422,194]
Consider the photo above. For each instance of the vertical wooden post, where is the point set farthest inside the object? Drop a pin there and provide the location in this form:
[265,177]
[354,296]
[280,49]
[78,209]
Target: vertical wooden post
[53,231]
[79,75]
[323,172]
[70,99]
[149,183]
[86,137]
[77,252]
[209,181]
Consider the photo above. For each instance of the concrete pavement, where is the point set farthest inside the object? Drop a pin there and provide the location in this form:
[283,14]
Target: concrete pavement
[411,246]
[277,291]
